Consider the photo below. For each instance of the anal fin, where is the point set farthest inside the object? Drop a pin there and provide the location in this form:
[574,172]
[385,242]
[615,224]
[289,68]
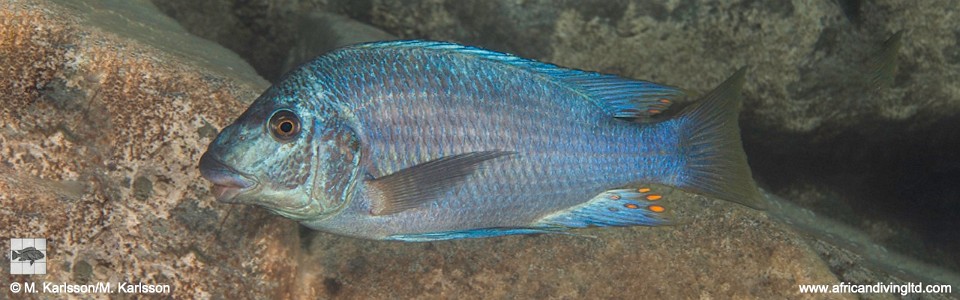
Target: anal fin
[647,205]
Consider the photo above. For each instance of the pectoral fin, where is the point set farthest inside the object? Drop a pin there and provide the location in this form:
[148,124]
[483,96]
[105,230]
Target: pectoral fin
[423,183]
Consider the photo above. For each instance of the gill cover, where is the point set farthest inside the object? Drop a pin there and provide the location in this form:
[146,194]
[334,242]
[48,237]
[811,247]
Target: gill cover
[336,168]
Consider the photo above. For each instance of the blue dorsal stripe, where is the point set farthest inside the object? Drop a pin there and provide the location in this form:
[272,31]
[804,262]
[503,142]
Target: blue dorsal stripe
[620,97]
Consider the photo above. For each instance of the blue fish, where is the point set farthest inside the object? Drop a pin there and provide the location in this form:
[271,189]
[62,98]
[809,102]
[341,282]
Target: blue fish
[425,141]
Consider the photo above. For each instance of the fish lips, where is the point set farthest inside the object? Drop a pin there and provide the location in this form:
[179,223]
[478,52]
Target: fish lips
[228,183]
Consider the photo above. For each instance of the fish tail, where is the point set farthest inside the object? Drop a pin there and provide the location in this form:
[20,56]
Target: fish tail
[16,254]
[716,164]
[882,68]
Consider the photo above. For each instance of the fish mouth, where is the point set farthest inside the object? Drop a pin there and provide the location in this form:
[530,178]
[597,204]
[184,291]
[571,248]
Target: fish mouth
[228,183]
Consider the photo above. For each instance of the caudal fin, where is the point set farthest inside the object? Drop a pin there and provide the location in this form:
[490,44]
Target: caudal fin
[716,165]
[882,67]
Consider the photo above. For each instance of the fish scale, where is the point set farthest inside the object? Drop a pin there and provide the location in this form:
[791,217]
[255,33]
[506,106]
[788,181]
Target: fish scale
[409,113]
[443,141]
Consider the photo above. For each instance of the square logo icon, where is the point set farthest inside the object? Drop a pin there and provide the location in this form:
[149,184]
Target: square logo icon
[28,256]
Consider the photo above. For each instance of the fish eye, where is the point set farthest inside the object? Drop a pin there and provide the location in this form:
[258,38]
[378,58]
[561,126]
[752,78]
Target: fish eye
[284,125]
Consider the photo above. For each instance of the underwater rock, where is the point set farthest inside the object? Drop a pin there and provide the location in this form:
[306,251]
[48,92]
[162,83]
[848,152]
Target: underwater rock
[99,146]
[254,31]
[320,32]
[817,128]
[726,252]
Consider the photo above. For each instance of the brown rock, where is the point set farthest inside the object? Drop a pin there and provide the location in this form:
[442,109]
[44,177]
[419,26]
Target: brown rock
[100,133]
[722,251]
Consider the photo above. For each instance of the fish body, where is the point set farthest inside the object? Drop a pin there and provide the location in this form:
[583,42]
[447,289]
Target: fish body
[28,253]
[421,141]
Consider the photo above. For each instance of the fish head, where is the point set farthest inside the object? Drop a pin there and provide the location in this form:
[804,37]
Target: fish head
[276,155]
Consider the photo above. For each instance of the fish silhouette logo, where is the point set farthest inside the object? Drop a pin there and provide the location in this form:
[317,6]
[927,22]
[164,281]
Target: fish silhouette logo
[28,253]
[28,256]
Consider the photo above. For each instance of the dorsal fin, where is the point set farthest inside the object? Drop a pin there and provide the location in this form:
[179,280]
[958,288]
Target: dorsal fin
[620,97]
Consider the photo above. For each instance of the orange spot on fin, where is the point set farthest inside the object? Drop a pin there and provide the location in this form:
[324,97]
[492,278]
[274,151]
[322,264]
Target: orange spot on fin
[654,197]
[618,207]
